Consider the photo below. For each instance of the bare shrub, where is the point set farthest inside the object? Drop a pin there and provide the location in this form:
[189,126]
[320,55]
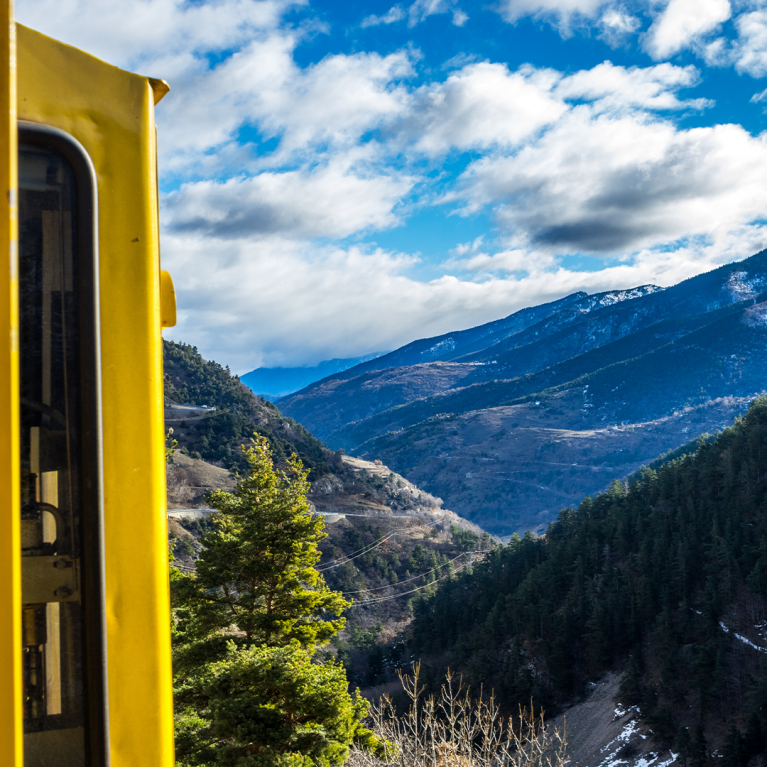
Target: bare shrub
[454,730]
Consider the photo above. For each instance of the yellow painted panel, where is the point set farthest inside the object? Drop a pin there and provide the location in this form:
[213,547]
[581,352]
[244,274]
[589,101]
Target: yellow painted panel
[167,300]
[10,544]
[111,113]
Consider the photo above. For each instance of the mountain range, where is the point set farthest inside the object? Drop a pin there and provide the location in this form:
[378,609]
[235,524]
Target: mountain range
[517,418]
[273,383]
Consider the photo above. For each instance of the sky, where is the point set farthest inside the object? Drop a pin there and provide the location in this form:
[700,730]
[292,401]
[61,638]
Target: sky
[341,177]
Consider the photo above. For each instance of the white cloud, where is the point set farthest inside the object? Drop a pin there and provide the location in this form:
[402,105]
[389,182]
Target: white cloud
[560,12]
[751,47]
[717,52]
[331,103]
[613,87]
[459,17]
[616,25]
[131,34]
[481,105]
[485,106]
[420,10]
[331,201]
[514,261]
[288,304]
[394,14]
[614,185]
[683,22]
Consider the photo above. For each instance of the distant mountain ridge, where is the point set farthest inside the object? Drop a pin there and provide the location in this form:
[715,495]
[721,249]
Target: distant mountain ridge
[582,364]
[273,383]
[449,346]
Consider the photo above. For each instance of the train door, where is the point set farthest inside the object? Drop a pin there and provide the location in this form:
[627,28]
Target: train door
[84,605]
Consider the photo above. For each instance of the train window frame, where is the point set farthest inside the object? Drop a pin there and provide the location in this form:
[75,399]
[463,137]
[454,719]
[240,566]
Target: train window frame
[96,715]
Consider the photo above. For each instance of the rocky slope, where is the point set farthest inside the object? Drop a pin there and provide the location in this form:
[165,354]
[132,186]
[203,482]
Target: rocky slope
[388,541]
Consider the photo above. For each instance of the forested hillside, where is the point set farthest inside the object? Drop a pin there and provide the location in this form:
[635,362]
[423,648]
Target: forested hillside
[387,539]
[217,436]
[664,576]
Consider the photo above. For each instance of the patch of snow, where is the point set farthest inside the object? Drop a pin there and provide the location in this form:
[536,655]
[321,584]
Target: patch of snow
[740,287]
[742,638]
[755,316]
[616,296]
[630,729]
[438,349]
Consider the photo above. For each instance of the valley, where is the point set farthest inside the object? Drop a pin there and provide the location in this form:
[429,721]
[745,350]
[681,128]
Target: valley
[509,470]
[613,443]
[387,541]
[526,415]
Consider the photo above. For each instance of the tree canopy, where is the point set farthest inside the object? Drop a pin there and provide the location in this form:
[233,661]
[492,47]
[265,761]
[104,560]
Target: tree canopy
[249,690]
[665,576]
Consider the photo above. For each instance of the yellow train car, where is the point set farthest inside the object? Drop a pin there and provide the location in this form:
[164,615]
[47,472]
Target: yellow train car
[85,670]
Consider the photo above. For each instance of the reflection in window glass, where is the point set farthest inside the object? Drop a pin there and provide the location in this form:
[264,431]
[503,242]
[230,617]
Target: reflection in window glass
[51,513]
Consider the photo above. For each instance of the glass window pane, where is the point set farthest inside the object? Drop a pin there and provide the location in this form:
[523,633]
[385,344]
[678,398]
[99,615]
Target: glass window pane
[51,474]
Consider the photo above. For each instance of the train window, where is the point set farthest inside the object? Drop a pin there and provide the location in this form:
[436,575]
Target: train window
[63,636]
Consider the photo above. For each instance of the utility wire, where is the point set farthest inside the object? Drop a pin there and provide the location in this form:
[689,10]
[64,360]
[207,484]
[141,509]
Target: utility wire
[376,600]
[414,578]
[412,591]
[361,552]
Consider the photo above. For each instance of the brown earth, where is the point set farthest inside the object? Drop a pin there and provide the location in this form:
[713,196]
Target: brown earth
[371,501]
[190,478]
[508,470]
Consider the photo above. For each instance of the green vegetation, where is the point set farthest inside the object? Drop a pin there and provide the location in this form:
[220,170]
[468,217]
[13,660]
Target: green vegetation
[170,445]
[665,576]
[466,540]
[218,436]
[249,690]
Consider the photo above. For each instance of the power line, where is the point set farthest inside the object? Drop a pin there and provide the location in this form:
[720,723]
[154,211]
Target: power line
[361,552]
[415,577]
[412,591]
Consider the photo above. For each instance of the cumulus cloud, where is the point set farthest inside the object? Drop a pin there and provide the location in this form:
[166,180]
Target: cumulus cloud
[422,9]
[616,25]
[485,106]
[610,87]
[331,103]
[683,22]
[601,184]
[480,105]
[751,46]
[332,201]
[289,304]
[134,34]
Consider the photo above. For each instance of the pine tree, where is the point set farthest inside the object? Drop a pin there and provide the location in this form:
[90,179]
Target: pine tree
[753,740]
[699,753]
[249,690]
[683,744]
[733,754]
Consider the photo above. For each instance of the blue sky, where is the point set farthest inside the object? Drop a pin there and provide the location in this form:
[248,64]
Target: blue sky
[343,177]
